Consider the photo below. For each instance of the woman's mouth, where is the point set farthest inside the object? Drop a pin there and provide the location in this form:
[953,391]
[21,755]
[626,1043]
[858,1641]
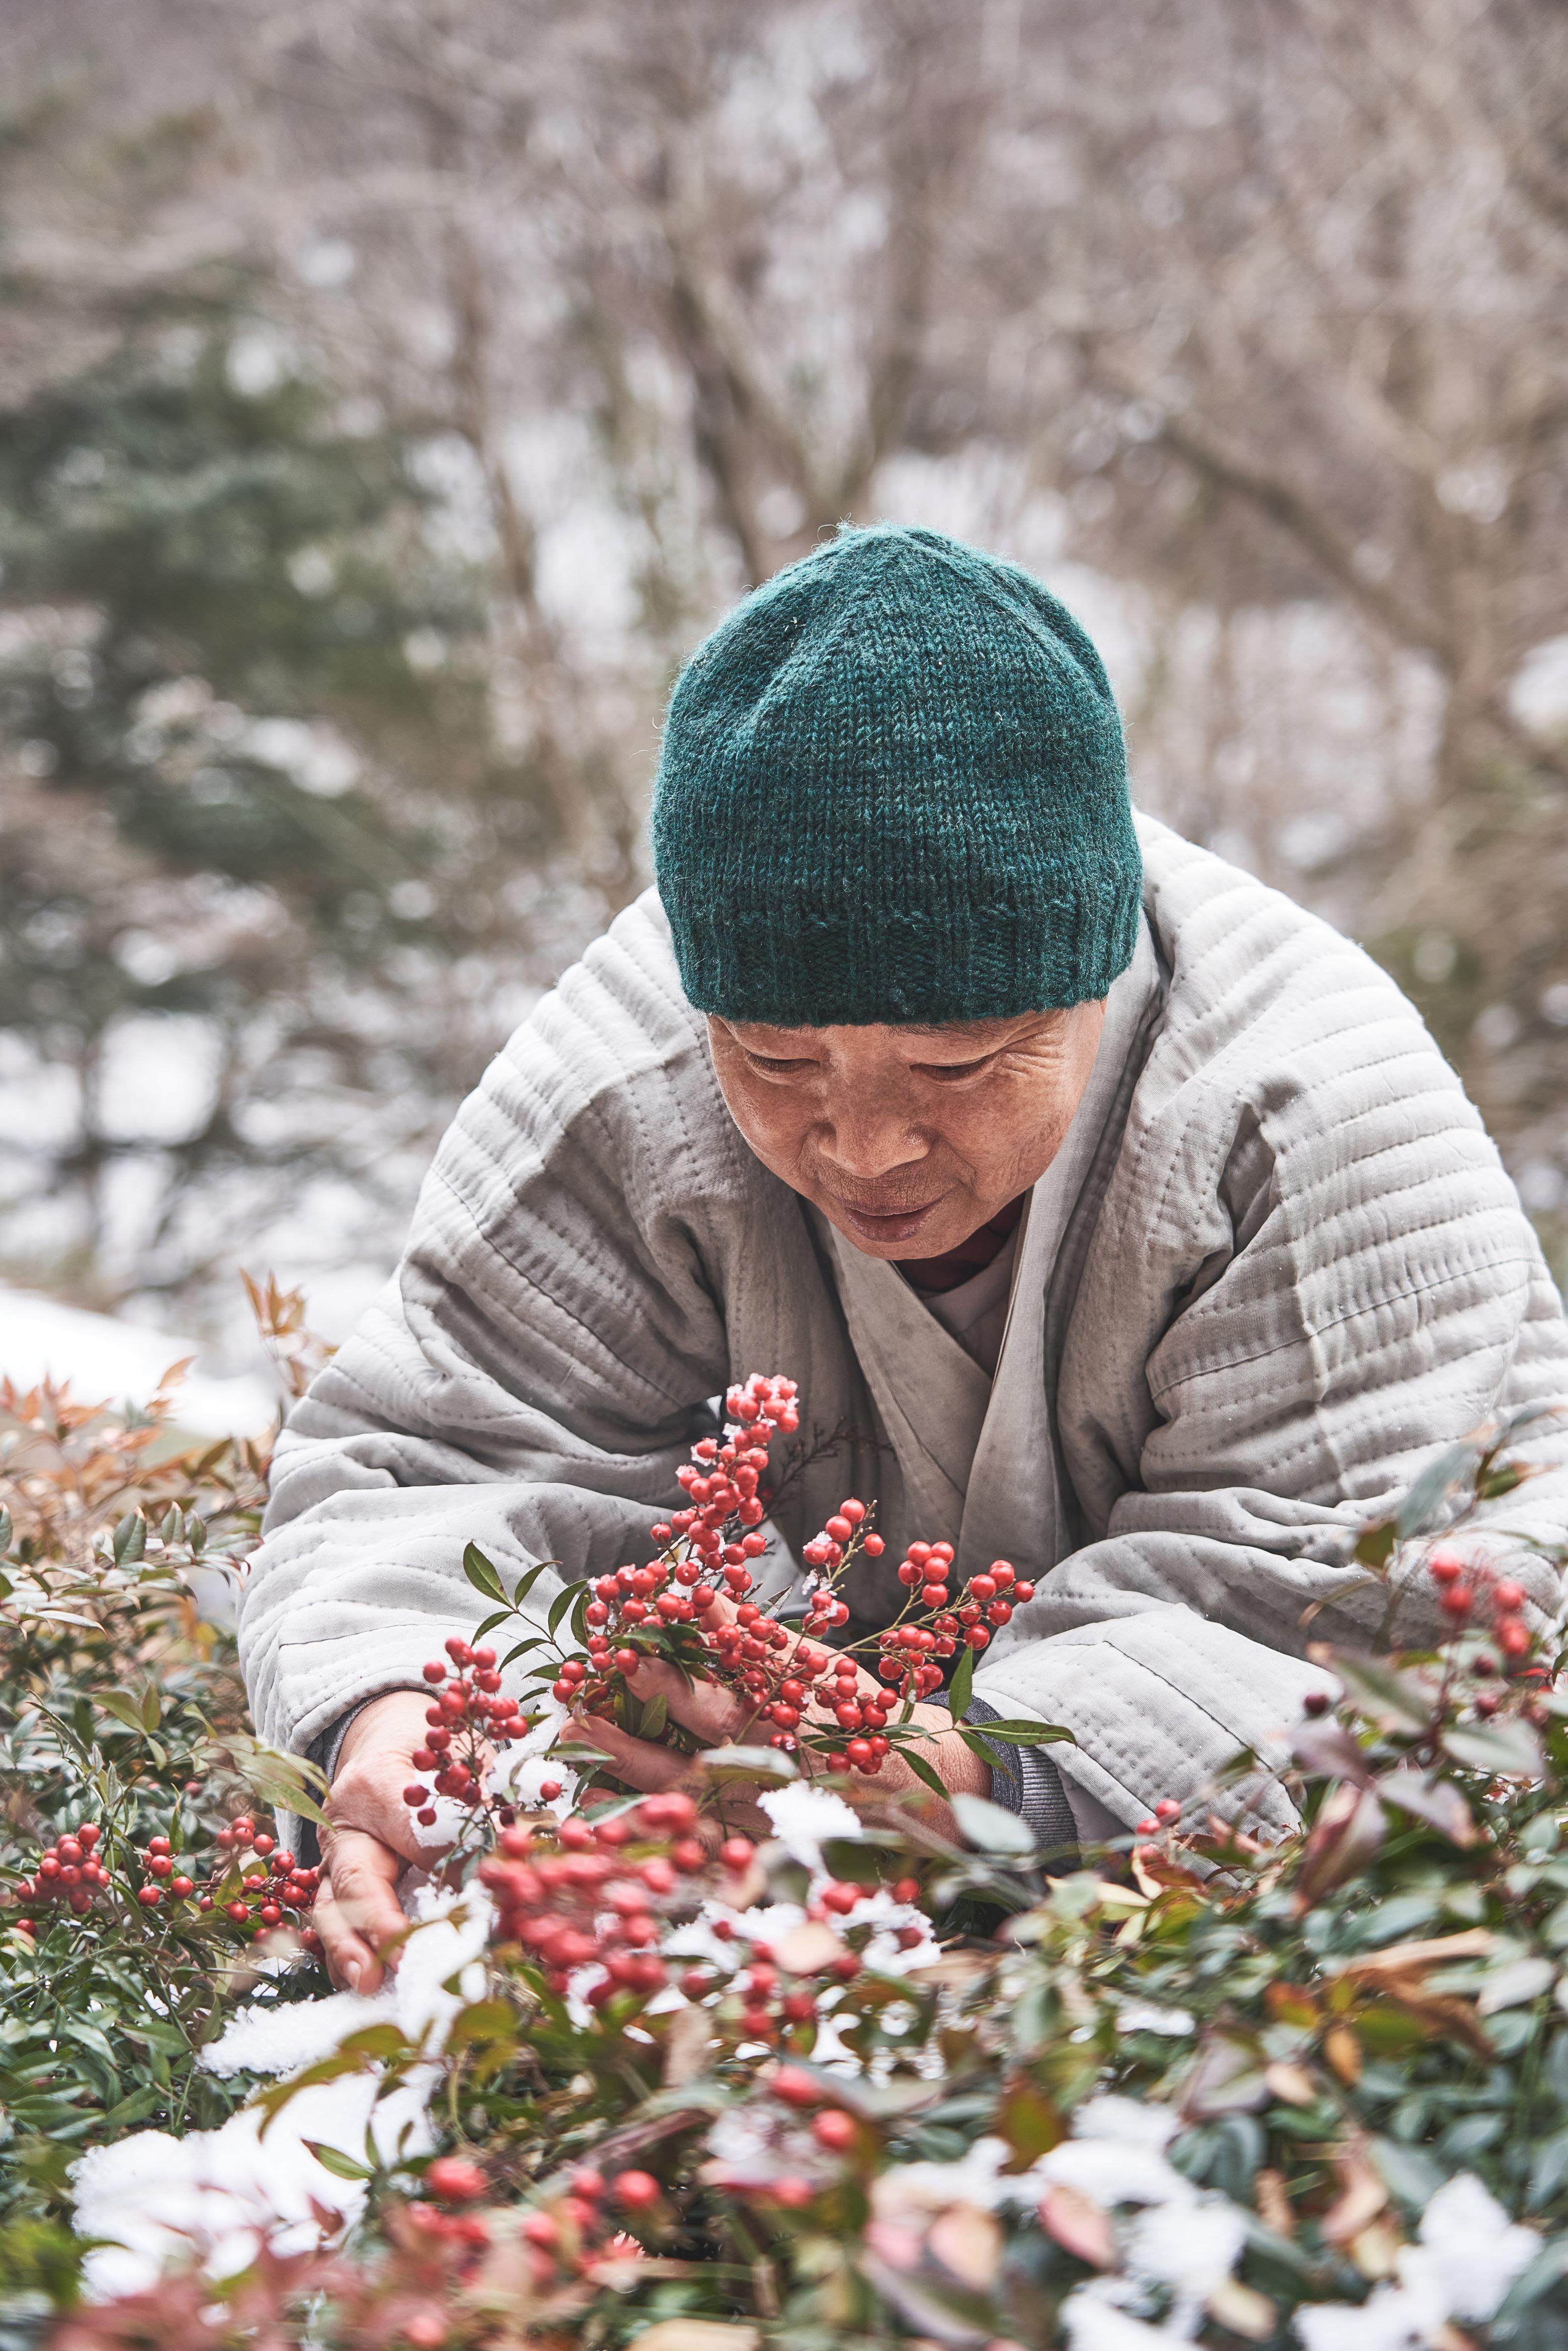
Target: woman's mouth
[884,1224]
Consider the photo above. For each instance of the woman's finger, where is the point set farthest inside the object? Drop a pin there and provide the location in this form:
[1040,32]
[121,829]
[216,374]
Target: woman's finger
[702,1707]
[641,1762]
[358,1913]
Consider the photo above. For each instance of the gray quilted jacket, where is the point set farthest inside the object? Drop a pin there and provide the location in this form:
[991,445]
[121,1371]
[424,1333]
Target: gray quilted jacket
[1289,1268]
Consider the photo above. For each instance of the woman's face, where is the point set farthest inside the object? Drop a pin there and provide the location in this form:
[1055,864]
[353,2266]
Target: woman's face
[908,1139]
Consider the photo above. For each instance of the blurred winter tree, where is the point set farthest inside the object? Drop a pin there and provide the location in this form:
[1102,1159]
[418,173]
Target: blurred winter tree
[255,836]
[530,333]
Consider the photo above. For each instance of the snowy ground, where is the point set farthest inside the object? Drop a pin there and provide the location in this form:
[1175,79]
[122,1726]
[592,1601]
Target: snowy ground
[111,1361]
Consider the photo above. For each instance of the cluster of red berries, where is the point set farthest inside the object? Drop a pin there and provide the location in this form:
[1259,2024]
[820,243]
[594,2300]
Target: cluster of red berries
[1167,1814]
[71,1871]
[988,1600]
[1468,1594]
[587,1900]
[702,1579]
[564,2236]
[691,1603]
[602,1893]
[471,1709]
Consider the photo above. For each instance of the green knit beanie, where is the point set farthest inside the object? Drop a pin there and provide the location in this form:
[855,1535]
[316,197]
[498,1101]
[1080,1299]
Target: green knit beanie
[893,789]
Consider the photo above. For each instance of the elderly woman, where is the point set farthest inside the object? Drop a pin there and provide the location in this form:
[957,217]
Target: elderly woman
[1114,1216]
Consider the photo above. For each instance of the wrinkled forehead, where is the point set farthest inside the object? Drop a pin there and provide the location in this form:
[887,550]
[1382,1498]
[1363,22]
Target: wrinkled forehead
[916,1039]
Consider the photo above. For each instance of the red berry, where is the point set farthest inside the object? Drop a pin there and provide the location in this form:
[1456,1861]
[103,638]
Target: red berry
[1023,1593]
[414,1796]
[1444,1568]
[1507,1597]
[151,1896]
[87,1835]
[1167,1809]
[455,2179]
[636,2190]
[735,1852]
[1512,1638]
[795,2086]
[834,2130]
[549,1790]
[181,1886]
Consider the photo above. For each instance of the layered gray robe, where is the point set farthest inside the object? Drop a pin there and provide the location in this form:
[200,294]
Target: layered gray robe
[1275,1266]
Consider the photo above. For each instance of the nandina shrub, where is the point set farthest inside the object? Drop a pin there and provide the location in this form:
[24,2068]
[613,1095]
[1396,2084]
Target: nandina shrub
[850,2083]
[127,1770]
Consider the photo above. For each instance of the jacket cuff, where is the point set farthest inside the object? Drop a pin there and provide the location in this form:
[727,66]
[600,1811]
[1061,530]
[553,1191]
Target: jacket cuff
[1031,1785]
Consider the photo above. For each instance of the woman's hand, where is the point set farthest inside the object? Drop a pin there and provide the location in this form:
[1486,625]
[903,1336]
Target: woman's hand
[372,1840]
[718,1717]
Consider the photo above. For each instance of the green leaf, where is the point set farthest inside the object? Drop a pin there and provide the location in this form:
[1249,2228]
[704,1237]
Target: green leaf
[526,1581]
[1408,2172]
[655,1714]
[130,1540]
[333,2159]
[1374,1544]
[852,1861]
[522,1648]
[961,1687]
[481,1575]
[488,2020]
[1452,1467]
[150,1710]
[922,1772]
[496,1616]
[1509,1749]
[564,1599]
[991,1826]
[6,1530]
[1394,1701]
[284,1782]
[1024,1732]
[1548,2169]
[1514,1983]
[124,1708]
[1549,2268]
[995,1758]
